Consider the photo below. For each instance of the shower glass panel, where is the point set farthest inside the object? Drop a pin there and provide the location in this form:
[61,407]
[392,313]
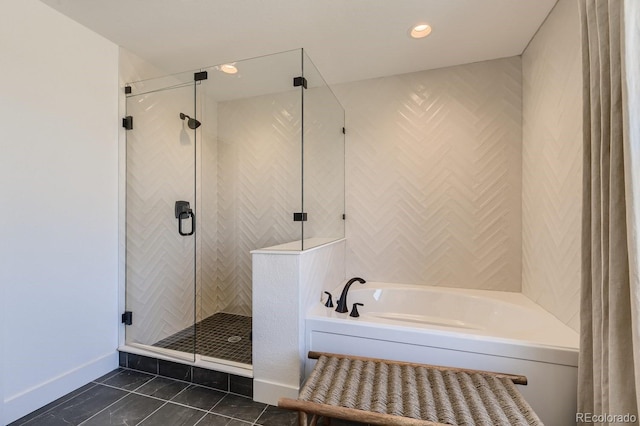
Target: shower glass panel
[160,248]
[323,164]
[230,141]
[250,187]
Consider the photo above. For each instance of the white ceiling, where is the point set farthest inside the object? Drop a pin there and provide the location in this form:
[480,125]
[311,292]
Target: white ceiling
[347,39]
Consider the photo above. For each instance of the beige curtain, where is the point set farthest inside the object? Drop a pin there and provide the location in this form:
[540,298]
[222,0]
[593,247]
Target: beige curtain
[609,353]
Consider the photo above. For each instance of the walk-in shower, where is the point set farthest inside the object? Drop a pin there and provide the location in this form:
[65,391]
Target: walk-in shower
[217,165]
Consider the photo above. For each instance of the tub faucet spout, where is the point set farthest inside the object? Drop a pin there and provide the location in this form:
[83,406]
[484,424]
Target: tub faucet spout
[342,302]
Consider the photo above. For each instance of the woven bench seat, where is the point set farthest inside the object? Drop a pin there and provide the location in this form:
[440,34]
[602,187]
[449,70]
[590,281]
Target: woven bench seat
[384,392]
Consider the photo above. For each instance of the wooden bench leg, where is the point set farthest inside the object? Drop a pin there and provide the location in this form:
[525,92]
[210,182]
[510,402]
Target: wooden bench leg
[302,418]
[316,418]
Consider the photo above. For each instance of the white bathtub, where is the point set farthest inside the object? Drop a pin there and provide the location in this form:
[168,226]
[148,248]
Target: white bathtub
[487,330]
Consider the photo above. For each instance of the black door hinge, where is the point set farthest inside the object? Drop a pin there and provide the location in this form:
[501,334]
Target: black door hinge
[127,318]
[199,76]
[127,122]
[344,131]
[299,217]
[300,81]
[127,90]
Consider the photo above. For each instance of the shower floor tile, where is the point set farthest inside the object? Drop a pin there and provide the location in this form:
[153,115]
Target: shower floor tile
[222,335]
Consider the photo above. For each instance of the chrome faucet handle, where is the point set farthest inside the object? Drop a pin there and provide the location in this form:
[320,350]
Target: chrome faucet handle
[354,311]
[329,303]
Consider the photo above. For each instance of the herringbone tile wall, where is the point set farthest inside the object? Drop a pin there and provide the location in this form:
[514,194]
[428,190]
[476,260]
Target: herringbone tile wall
[551,162]
[323,165]
[446,185]
[247,187]
[434,176]
[258,187]
[208,301]
[160,170]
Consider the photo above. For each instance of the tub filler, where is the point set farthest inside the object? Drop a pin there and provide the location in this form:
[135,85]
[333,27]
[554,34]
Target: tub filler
[479,329]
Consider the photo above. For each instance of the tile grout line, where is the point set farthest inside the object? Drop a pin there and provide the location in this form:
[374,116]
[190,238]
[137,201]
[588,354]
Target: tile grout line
[200,419]
[128,392]
[154,411]
[196,423]
[216,404]
[171,400]
[182,391]
[179,380]
[196,384]
[235,418]
[158,398]
[223,415]
[135,392]
[229,417]
[57,405]
[94,382]
[187,406]
[110,405]
[110,375]
[255,422]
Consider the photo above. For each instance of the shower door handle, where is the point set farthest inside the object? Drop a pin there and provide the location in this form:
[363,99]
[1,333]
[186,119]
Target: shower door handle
[183,211]
[186,215]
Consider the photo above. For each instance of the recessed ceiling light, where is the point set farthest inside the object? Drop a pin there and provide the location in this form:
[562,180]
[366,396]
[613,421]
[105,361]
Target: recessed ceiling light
[228,69]
[420,30]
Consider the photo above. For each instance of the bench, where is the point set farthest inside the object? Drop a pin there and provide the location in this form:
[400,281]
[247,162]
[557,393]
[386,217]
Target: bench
[383,392]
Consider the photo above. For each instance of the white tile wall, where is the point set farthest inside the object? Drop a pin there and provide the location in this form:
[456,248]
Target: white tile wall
[287,285]
[248,184]
[258,187]
[434,176]
[437,178]
[208,298]
[323,164]
[552,164]
[160,171]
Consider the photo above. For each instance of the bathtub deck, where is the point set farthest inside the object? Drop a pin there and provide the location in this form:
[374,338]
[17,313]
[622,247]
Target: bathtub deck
[389,392]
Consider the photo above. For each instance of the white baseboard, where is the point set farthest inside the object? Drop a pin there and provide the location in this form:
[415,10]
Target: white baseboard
[269,392]
[23,403]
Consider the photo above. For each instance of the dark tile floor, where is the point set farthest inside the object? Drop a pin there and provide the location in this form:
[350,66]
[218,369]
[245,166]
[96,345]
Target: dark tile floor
[129,397]
[222,335]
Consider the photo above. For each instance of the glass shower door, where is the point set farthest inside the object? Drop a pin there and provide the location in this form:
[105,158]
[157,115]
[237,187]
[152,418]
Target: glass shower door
[160,217]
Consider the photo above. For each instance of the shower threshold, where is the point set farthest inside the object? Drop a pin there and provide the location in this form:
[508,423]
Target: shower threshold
[219,337]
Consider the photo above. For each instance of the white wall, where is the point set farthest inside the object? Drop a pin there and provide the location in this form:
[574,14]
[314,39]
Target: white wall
[552,164]
[434,176]
[58,174]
